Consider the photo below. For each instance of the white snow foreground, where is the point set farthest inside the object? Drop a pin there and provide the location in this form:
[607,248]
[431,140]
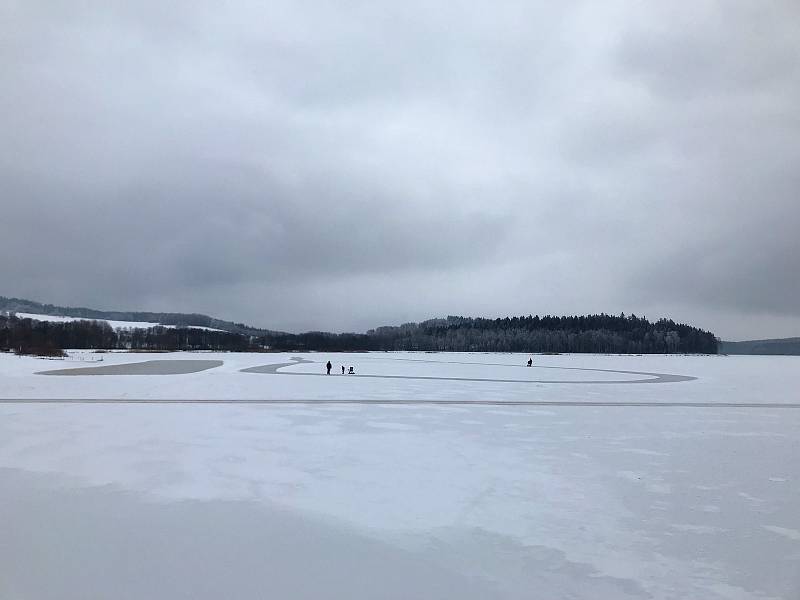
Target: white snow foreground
[402,501]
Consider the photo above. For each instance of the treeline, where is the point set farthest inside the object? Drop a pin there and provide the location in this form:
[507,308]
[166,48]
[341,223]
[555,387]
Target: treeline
[594,333]
[27,336]
[776,347]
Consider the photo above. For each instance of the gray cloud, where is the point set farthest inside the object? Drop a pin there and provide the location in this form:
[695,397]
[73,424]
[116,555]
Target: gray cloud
[317,165]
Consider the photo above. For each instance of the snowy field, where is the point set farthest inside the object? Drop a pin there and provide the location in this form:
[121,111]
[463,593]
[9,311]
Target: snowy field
[586,477]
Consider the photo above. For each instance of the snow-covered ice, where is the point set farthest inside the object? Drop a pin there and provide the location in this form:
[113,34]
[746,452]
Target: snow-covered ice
[388,500]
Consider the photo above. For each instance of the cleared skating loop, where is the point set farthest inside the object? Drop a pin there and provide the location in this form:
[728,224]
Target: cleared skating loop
[275,369]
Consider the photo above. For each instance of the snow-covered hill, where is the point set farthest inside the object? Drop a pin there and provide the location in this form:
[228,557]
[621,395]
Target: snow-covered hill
[114,324]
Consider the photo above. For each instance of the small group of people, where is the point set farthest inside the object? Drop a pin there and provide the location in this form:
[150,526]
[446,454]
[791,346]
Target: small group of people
[350,370]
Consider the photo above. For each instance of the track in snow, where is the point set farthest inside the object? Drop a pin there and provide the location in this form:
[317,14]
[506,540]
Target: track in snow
[578,403]
[274,369]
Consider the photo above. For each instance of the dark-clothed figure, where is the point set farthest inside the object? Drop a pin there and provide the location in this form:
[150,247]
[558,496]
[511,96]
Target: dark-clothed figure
[329,366]
[530,362]
[342,369]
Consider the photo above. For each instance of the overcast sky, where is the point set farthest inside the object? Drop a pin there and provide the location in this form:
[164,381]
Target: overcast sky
[341,165]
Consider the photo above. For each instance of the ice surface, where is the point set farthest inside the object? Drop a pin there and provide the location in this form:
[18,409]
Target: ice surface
[488,501]
[148,367]
[719,378]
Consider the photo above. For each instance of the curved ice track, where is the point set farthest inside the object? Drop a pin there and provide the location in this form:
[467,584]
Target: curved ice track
[274,369]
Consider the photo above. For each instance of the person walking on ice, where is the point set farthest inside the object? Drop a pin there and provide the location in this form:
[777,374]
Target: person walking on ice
[342,369]
[530,362]
[329,366]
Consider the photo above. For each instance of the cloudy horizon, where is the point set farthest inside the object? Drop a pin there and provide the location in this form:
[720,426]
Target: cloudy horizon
[326,166]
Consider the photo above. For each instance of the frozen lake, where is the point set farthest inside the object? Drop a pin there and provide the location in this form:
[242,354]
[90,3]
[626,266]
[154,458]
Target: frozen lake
[585,476]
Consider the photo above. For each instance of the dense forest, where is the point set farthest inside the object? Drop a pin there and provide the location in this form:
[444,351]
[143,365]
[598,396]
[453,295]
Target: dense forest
[28,336]
[593,333]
